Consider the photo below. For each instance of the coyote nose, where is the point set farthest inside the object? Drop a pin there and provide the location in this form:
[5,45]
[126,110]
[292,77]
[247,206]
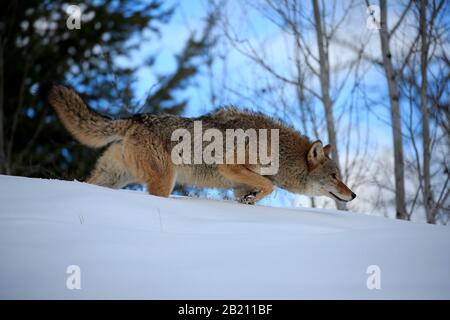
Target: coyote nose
[353,195]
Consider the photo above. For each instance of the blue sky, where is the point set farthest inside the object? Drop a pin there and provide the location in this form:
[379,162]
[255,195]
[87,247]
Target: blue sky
[190,16]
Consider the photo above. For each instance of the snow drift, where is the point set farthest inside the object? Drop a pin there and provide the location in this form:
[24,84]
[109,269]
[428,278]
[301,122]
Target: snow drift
[133,245]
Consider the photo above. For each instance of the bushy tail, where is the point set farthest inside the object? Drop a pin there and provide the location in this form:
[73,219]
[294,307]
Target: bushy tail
[86,125]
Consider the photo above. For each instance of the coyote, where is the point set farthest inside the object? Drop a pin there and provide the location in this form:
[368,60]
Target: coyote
[138,150]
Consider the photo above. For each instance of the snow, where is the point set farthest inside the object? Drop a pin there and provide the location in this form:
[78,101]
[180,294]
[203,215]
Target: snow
[131,245]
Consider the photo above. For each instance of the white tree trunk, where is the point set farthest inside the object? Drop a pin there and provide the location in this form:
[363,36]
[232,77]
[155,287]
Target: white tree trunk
[395,115]
[324,71]
[426,180]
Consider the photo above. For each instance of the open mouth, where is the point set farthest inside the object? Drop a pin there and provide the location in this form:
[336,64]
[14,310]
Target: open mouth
[337,197]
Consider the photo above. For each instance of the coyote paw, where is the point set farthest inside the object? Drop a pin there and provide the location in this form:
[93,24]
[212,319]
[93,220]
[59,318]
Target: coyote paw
[249,198]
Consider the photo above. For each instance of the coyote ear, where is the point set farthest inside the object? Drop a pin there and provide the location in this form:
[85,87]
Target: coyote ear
[315,153]
[327,149]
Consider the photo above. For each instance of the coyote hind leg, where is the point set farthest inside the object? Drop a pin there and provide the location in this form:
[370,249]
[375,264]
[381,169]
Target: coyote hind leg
[151,164]
[110,170]
[161,184]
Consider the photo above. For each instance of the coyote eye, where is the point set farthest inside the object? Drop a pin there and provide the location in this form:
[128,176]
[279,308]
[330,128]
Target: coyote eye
[334,176]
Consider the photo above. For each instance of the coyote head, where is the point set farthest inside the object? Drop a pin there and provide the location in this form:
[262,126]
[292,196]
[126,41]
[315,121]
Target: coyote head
[323,175]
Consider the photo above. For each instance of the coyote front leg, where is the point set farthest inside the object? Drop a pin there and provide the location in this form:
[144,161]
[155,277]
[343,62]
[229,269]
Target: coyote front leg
[259,186]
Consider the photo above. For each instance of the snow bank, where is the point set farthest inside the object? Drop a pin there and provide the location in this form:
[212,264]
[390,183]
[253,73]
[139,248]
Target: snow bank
[132,245]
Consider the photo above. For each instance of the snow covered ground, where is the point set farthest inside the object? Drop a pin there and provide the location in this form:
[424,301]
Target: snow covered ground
[132,245]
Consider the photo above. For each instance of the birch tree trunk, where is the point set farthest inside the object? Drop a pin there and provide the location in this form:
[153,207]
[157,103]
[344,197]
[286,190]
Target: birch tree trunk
[399,168]
[426,180]
[324,71]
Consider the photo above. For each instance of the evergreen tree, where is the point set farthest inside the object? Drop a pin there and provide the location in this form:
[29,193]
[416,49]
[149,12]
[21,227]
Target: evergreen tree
[37,48]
